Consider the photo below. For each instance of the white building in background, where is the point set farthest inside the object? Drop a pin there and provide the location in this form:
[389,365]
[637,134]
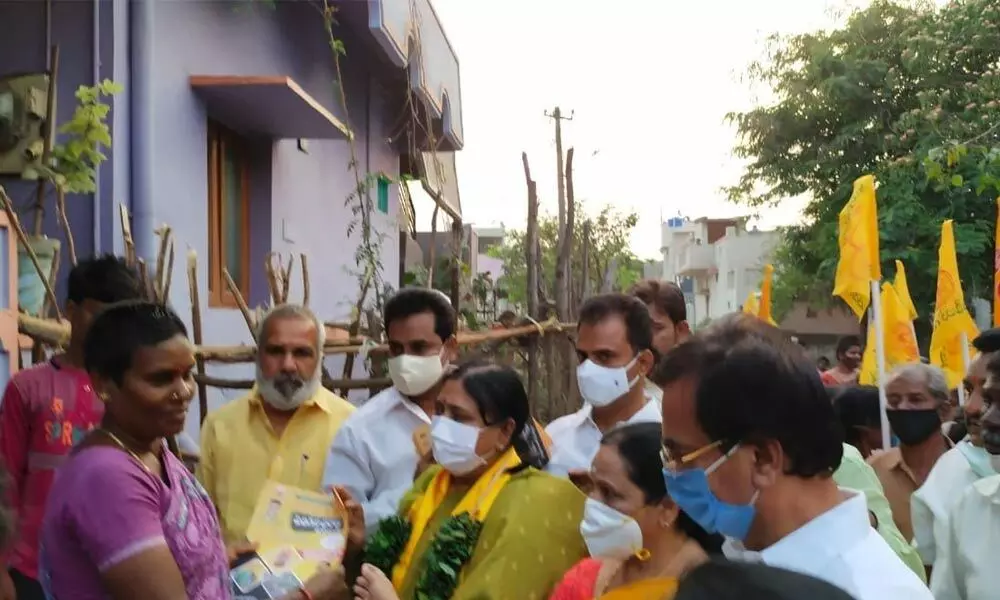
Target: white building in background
[717,262]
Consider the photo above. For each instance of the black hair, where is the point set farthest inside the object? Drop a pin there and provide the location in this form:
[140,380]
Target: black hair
[845,343]
[639,446]
[104,279]
[411,301]
[731,580]
[638,325]
[857,406]
[753,385]
[121,329]
[499,395]
[987,341]
[666,296]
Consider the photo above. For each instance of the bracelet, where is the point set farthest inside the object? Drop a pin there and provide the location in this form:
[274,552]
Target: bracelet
[305,593]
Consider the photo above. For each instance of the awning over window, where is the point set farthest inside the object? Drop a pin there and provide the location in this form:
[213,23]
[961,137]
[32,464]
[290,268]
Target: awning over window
[274,106]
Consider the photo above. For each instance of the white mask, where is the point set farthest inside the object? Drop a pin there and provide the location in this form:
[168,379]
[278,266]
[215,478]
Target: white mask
[609,533]
[414,375]
[454,446]
[600,386]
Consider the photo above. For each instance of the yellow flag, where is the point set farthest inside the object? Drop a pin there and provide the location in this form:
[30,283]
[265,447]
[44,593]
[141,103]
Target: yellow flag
[951,318]
[903,290]
[858,241]
[764,310]
[996,270]
[751,305]
[900,343]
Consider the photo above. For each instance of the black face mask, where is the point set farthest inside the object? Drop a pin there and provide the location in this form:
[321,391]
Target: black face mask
[914,426]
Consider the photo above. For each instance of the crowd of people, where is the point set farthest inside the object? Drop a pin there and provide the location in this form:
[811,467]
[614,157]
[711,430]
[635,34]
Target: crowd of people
[701,466]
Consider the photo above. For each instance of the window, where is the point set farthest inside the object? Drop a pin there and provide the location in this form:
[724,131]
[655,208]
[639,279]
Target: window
[383,195]
[228,215]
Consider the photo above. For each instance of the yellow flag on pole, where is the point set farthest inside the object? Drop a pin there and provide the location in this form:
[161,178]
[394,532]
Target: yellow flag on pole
[751,305]
[903,290]
[764,310]
[858,241]
[900,343]
[996,270]
[951,317]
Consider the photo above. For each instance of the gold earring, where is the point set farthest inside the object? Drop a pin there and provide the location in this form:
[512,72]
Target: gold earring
[643,554]
[104,396]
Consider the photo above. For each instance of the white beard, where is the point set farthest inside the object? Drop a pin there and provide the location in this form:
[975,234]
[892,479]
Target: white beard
[271,394]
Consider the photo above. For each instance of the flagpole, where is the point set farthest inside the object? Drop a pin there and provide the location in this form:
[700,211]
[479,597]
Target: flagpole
[876,304]
[965,367]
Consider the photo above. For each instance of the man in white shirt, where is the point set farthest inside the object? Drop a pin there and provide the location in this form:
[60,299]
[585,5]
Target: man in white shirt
[957,469]
[966,566]
[613,340]
[668,314]
[750,446]
[373,455]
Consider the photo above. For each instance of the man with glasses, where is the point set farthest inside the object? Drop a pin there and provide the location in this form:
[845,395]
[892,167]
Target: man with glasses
[751,443]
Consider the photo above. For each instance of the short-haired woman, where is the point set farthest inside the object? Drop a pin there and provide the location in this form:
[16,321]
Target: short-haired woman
[125,518]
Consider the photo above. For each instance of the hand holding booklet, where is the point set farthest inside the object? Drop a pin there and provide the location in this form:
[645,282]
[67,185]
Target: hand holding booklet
[296,531]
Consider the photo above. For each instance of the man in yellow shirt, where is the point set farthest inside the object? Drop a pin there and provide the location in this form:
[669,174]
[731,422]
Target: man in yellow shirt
[281,430]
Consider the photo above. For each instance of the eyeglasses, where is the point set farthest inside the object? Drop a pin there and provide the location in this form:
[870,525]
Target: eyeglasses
[675,463]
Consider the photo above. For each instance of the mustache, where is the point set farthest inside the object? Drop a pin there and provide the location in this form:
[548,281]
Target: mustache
[287,384]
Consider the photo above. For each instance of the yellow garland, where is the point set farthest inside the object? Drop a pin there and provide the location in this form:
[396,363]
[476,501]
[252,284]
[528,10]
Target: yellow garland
[477,502]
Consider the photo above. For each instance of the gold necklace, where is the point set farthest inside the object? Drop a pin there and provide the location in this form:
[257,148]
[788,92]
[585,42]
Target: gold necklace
[121,444]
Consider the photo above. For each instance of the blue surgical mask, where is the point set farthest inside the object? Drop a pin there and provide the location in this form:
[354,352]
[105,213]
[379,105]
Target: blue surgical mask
[978,459]
[690,490]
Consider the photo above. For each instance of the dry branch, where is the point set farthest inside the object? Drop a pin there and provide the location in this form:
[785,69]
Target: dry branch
[196,334]
[8,207]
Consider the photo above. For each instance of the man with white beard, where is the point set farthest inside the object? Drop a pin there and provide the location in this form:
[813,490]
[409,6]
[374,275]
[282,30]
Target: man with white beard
[281,430]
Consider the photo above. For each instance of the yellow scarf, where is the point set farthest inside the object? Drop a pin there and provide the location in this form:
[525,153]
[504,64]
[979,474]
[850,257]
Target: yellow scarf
[646,589]
[477,502]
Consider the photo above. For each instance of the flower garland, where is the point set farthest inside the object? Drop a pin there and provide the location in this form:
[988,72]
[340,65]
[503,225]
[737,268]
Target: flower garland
[450,549]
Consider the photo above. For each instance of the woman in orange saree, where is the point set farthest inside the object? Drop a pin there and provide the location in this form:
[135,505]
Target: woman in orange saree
[640,543]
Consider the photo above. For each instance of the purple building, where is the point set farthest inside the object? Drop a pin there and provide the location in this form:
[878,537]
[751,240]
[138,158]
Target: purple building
[230,129]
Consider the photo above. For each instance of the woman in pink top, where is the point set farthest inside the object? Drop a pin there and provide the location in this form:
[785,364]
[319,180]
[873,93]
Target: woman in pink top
[125,519]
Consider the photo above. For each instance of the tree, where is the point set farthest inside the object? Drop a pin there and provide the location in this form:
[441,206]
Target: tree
[608,252]
[881,95]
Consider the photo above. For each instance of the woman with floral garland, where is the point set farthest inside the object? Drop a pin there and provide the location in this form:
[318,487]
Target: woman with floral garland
[640,542]
[484,522]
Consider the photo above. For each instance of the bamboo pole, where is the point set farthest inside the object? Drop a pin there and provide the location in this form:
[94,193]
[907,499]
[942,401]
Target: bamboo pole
[195,297]
[330,384]
[55,333]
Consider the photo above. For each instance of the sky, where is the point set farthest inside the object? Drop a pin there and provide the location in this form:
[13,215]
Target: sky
[649,83]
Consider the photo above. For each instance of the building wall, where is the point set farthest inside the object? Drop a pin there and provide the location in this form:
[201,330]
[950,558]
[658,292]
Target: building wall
[739,257]
[297,198]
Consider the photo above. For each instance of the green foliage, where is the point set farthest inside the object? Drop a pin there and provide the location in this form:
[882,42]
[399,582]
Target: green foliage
[386,545]
[610,231]
[881,95]
[451,548]
[75,160]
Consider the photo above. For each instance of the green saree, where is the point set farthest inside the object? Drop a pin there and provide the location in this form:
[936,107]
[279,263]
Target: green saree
[530,538]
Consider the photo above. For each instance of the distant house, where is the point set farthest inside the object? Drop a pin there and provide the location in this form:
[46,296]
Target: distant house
[717,263]
[231,130]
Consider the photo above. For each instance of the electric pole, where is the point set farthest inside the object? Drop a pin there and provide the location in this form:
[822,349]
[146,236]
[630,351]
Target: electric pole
[557,116]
